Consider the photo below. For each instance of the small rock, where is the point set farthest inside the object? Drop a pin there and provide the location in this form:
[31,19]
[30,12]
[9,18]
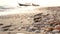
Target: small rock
[57,27]
[5,29]
[49,33]
[47,29]
[1,24]
[19,28]
[37,31]
[55,31]
[11,29]
[31,29]
[42,30]
[37,17]
[20,33]
[7,26]
[23,27]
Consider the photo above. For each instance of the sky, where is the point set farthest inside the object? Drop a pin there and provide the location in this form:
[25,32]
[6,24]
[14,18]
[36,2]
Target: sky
[40,2]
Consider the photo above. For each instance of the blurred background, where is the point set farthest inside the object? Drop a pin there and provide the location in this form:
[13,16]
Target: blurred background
[14,3]
[7,5]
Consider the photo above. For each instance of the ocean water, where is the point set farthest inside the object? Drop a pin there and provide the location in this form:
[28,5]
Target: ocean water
[16,10]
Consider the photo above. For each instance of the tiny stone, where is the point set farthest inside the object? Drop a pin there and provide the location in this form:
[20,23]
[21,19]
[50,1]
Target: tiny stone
[7,26]
[11,29]
[55,31]
[19,28]
[37,31]
[57,27]
[1,24]
[47,29]
[20,33]
[41,30]
[49,33]
[5,29]
[31,29]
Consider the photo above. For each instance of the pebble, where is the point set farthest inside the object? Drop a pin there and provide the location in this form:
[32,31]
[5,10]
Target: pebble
[47,29]
[37,31]
[6,26]
[49,33]
[19,28]
[57,27]
[20,33]
[5,29]
[1,24]
[55,31]
[37,17]
[42,30]
[30,29]
[11,29]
